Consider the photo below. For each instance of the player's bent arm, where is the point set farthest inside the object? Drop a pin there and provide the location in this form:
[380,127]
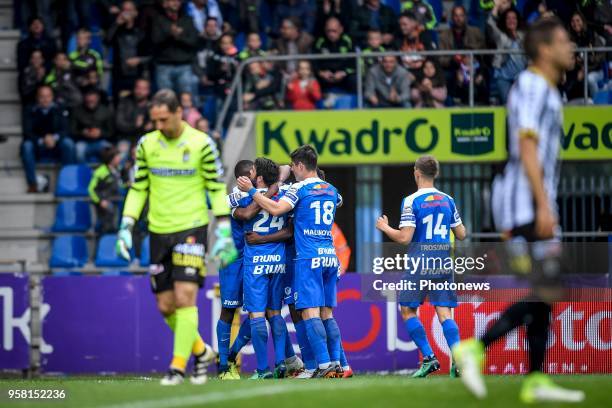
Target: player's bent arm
[254,238]
[275,208]
[460,232]
[139,191]
[528,146]
[401,236]
[250,211]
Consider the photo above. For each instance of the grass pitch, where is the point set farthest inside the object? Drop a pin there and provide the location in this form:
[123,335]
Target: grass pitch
[360,391]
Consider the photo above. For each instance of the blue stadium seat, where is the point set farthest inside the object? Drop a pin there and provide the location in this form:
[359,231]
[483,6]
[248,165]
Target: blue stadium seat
[106,255]
[603,98]
[394,4]
[145,255]
[72,216]
[73,181]
[345,101]
[68,251]
[240,41]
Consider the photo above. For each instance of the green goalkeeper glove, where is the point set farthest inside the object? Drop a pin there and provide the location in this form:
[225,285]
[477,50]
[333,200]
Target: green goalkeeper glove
[224,251]
[124,238]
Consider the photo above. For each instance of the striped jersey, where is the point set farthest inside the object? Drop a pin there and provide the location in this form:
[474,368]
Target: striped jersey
[534,110]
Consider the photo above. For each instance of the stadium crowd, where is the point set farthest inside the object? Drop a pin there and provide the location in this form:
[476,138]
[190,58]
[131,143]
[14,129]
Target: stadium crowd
[195,47]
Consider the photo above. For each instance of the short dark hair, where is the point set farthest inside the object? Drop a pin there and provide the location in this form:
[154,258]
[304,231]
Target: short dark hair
[307,155]
[540,32]
[320,174]
[428,166]
[166,97]
[108,154]
[409,15]
[267,169]
[243,168]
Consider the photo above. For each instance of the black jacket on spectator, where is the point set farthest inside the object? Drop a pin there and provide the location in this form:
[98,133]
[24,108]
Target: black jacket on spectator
[37,122]
[125,118]
[361,22]
[126,43]
[170,50]
[30,44]
[67,93]
[28,84]
[101,117]
[221,70]
[343,46]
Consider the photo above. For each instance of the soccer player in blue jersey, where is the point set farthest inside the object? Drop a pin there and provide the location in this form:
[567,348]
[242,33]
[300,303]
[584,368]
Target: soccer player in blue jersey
[313,202]
[264,267]
[427,217]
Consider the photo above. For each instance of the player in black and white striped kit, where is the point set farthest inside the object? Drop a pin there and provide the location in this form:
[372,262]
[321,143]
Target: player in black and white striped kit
[525,210]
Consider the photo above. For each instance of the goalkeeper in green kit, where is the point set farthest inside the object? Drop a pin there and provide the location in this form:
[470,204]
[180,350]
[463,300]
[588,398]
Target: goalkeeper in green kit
[176,166]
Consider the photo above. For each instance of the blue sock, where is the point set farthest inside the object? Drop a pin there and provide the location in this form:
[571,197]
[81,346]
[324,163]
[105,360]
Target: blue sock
[305,349]
[279,337]
[343,361]
[318,341]
[289,352]
[451,332]
[223,341]
[333,339]
[241,340]
[259,336]
[418,335]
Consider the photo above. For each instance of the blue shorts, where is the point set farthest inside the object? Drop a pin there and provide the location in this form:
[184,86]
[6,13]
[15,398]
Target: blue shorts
[230,282]
[262,291]
[439,297]
[316,286]
[289,283]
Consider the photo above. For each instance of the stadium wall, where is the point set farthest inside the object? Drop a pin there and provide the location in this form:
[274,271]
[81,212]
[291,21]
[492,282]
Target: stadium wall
[109,324]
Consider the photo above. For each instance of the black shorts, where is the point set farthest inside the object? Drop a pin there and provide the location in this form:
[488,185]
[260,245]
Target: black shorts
[545,256]
[178,256]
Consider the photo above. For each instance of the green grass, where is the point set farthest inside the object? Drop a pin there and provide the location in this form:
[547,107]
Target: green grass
[361,391]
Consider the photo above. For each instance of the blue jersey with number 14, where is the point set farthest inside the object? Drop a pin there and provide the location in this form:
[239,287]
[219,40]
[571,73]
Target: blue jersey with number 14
[314,204]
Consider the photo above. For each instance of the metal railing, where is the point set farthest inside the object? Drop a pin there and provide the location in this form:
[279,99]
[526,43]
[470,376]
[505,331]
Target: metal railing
[236,88]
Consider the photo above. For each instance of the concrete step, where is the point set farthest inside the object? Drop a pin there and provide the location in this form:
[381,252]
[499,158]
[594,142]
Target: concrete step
[10,111]
[8,46]
[9,80]
[9,150]
[6,16]
[11,131]
[27,211]
[12,168]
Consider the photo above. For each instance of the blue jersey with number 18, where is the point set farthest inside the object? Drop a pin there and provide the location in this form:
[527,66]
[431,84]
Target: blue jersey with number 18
[314,204]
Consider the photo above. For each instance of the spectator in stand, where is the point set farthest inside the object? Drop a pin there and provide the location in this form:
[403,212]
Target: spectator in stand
[73,15]
[104,188]
[36,40]
[584,37]
[67,93]
[92,126]
[190,114]
[302,10]
[92,81]
[108,10]
[45,135]
[204,126]
[292,41]
[459,36]
[248,16]
[132,116]
[261,85]
[507,35]
[430,90]
[373,15]
[460,87]
[221,67]
[343,10]
[175,41]
[387,85]
[201,10]
[374,45]
[303,92]
[127,41]
[423,12]
[572,86]
[253,47]
[27,10]
[208,44]
[335,73]
[413,37]
[84,59]
[31,78]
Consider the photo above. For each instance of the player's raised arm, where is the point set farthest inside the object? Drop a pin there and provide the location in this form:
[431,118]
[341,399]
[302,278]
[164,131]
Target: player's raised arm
[134,203]
[275,208]
[401,236]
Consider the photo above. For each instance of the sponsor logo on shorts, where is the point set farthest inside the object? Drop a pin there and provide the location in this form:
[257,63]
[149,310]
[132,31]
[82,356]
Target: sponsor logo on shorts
[190,271]
[231,303]
[156,269]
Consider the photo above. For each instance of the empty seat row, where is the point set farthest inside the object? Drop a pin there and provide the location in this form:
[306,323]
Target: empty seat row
[70,251]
